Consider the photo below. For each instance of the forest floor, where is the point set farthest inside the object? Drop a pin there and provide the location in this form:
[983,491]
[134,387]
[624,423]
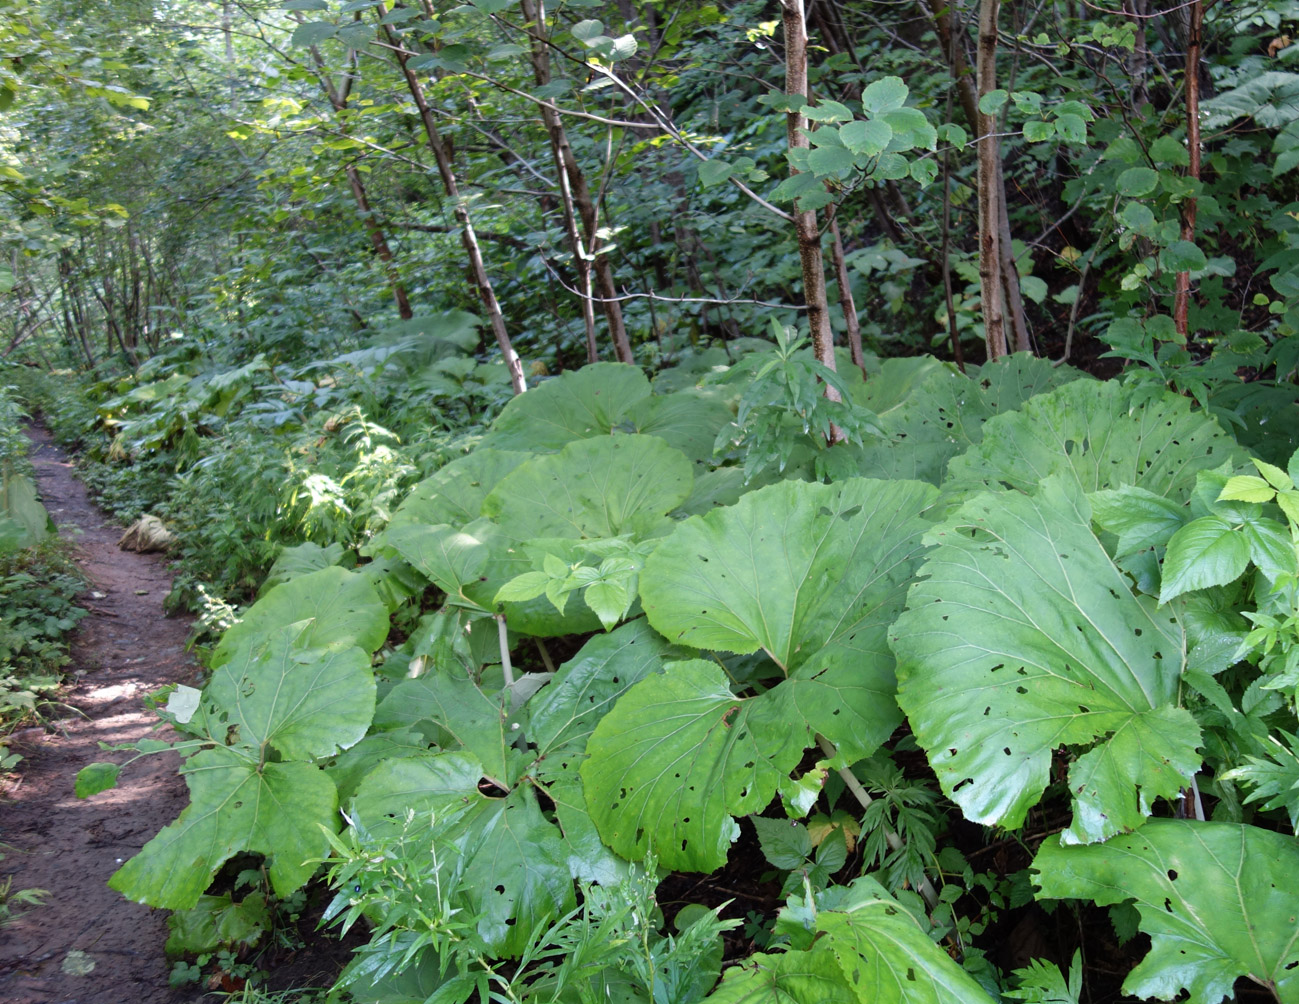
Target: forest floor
[87,944]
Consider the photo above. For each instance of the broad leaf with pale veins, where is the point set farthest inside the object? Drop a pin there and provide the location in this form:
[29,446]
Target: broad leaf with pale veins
[593,488]
[236,805]
[303,702]
[1094,432]
[580,404]
[342,606]
[1217,900]
[677,758]
[1021,636]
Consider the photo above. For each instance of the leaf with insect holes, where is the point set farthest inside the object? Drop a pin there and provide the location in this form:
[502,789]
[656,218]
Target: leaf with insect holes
[1021,636]
[303,703]
[1216,899]
[236,805]
[1099,435]
[677,758]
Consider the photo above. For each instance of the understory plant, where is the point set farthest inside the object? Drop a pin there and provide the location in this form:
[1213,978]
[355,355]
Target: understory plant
[1060,608]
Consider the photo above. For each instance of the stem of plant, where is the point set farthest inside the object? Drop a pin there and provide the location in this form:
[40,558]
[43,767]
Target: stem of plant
[925,887]
[506,666]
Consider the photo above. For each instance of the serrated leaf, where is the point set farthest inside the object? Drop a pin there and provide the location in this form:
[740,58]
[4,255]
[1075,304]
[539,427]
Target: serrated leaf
[866,138]
[677,758]
[343,609]
[312,33]
[1215,899]
[1276,477]
[1206,552]
[884,95]
[593,488]
[304,703]
[830,160]
[1021,636]
[1182,256]
[1136,182]
[586,30]
[1038,131]
[276,809]
[714,172]
[1247,488]
[1141,518]
[827,111]
[885,954]
[784,842]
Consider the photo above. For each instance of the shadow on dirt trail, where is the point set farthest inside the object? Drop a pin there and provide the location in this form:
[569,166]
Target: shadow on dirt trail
[88,945]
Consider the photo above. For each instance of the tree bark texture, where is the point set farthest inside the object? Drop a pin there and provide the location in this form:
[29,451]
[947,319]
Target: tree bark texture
[1182,297]
[990,198]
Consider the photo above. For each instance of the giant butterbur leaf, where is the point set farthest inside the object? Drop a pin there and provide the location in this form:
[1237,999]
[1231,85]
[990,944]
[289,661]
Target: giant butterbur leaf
[593,488]
[509,864]
[236,804]
[1095,433]
[343,608]
[1217,900]
[304,703]
[1021,636]
[576,405]
[788,569]
[677,758]
[454,494]
[687,421]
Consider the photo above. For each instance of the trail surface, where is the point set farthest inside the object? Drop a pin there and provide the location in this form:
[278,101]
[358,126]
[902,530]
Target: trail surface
[89,945]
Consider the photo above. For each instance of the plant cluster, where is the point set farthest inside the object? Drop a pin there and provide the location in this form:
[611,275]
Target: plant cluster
[1074,598]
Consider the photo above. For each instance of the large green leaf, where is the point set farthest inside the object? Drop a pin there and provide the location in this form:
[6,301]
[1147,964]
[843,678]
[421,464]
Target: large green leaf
[236,804]
[576,405]
[593,488]
[562,717]
[812,977]
[454,495]
[1097,434]
[790,569]
[932,411]
[513,864]
[1021,636]
[1217,900]
[679,756]
[302,702]
[343,608]
[448,706]
[688,421]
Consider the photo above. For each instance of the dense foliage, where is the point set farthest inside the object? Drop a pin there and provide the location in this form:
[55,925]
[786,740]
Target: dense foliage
[949,678]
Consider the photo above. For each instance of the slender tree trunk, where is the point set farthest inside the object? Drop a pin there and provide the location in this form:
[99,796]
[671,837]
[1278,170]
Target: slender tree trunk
[990,232]
[1139,58]
[853,326]
[338,96]
[1182,298]
[968,92]
[534,16]
[805,222]
[468,236]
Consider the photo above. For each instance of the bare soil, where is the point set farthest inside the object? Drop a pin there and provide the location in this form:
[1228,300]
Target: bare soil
[89,945]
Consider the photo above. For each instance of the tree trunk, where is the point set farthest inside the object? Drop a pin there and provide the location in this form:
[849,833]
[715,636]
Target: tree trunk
[338,97]
[805,222]
[467,234]
[561,153]
[846,302]
[1182,298]
[990,201]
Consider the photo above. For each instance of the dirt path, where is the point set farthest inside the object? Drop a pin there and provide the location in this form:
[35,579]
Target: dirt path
[124,650]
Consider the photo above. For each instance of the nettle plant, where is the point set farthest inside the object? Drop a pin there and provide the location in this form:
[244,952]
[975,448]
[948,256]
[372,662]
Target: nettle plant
[1039,578]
